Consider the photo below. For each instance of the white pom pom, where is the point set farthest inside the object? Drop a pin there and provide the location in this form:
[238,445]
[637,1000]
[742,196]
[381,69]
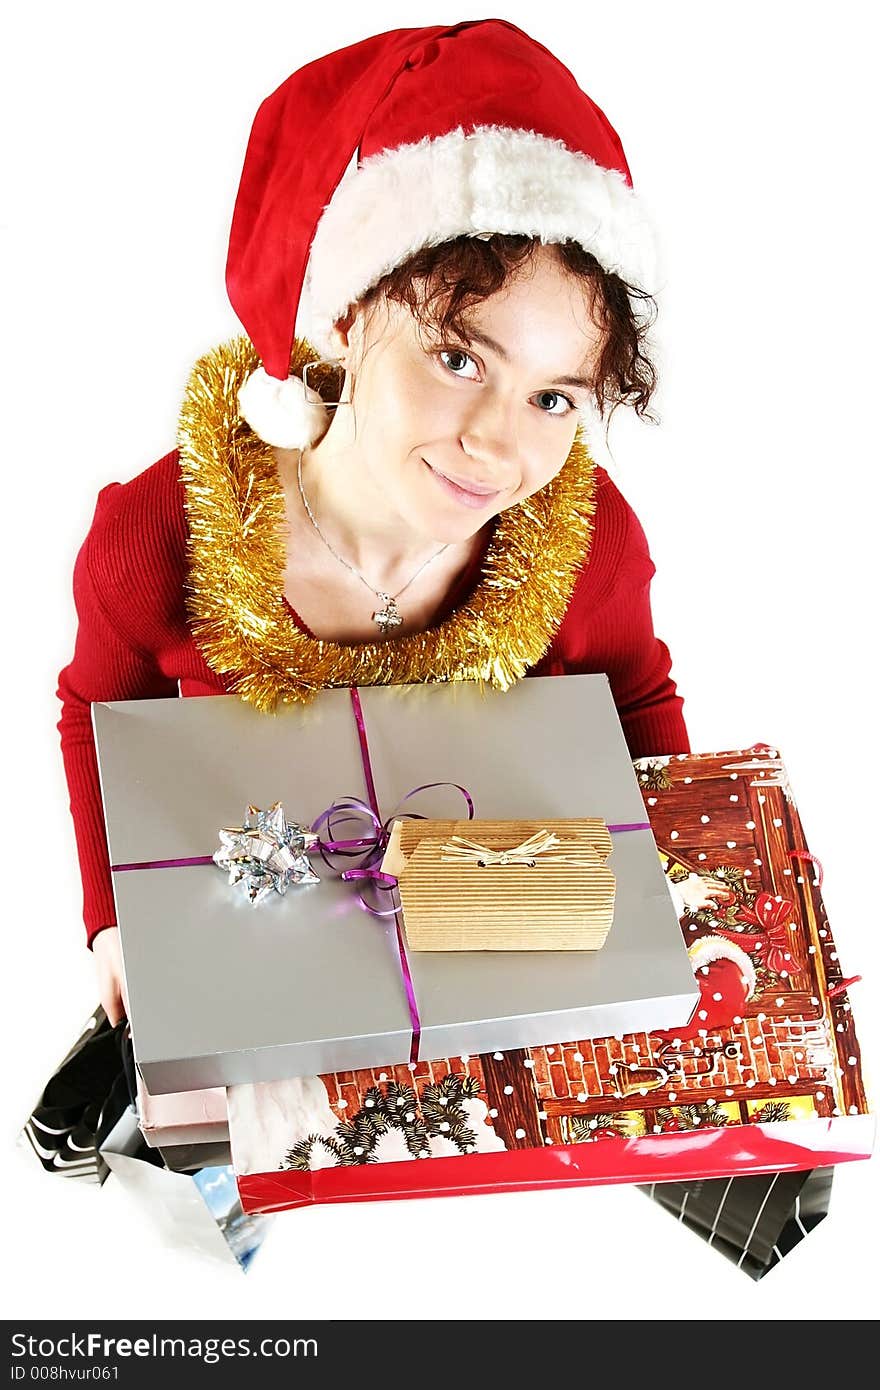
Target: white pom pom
[283,413]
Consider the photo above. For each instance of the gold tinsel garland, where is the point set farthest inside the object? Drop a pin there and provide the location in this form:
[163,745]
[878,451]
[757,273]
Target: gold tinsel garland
[236,513]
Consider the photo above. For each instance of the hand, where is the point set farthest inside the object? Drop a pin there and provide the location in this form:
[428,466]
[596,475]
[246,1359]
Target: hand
[111,979]
[699,892]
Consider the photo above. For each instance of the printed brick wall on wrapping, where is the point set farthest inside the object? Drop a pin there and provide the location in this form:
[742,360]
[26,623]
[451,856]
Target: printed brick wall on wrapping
[346,1089]
[789,1053]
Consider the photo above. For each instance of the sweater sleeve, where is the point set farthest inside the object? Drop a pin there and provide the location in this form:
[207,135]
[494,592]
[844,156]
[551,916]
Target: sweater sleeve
[609,627]
[639,670]
[106,665]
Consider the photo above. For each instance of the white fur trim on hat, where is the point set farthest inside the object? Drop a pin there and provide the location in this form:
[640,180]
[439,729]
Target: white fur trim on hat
[711,948]
[284,413]
[492,179]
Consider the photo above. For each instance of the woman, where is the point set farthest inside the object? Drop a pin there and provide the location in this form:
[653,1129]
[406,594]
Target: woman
[479,278]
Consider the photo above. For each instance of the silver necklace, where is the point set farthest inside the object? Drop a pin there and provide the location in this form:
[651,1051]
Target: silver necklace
[389,615]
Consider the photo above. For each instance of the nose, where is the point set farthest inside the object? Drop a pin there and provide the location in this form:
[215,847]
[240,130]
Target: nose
[489,437]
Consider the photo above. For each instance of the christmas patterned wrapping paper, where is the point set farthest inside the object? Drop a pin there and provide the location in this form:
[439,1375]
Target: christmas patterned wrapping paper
[765,1076]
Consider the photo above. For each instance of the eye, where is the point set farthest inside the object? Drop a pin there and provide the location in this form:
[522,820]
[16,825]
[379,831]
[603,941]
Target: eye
[455,359]
[550,400]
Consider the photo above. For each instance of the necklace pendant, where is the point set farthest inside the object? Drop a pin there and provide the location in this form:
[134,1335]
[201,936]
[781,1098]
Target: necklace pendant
[389,616]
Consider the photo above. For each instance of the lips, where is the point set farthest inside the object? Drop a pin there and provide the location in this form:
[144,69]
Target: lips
[470,494]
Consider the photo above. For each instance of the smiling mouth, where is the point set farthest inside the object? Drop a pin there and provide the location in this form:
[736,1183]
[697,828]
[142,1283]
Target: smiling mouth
[472,494]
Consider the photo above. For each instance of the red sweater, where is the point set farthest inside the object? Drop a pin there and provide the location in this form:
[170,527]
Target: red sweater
[133,641]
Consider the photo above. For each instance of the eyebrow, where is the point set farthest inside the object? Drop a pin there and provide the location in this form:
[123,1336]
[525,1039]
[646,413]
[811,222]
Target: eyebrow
[474,335]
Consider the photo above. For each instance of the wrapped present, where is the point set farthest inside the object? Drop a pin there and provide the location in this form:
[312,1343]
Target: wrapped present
[755,1220]
[182,1117]
[86,1126]
[197,1210]
[237,982]
[190,1158]
[80,1103]
[762,1076]
[470,885]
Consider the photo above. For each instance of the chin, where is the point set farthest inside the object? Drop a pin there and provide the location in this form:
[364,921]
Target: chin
[452,530]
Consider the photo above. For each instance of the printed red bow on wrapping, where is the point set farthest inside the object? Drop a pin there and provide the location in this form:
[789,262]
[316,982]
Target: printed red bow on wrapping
[772,942]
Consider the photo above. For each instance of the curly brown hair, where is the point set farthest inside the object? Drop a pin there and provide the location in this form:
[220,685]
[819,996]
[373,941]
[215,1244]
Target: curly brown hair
[438,284]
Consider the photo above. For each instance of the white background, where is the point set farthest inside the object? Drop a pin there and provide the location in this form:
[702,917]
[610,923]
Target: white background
[751,131]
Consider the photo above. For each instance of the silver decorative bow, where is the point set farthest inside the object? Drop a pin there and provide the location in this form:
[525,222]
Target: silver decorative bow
[268,853]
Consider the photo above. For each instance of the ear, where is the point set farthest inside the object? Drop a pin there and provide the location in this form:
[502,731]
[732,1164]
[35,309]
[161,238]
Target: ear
[342,334]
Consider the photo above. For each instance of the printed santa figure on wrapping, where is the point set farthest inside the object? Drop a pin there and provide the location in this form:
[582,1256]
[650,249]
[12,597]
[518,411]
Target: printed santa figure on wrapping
[727,980]
[723,967]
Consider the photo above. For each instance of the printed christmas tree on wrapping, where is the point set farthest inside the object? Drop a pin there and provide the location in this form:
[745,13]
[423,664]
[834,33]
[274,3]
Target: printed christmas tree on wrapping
[437,1113]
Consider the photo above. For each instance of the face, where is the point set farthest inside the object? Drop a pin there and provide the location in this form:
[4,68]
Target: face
[452,432]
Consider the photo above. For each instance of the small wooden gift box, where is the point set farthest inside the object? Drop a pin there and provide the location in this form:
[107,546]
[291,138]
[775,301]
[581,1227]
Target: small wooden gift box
[503,885]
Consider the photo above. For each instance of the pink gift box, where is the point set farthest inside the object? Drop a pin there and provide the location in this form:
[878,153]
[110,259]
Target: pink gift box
[182,1117]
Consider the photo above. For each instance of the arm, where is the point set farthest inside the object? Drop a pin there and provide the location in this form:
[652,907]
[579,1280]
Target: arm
[609,627]
[639,672]
[107,665]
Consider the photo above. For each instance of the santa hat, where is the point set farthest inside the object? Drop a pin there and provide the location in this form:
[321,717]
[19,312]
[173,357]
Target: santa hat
[727,981]
[406,140]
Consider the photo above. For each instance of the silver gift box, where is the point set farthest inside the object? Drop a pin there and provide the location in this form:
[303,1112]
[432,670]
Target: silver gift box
[221,992]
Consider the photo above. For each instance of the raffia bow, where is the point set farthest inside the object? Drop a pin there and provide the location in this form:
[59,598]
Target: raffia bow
[543,843]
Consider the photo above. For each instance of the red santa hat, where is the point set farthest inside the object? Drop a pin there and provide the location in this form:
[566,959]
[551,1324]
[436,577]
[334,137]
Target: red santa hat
[405,140]
[727,981]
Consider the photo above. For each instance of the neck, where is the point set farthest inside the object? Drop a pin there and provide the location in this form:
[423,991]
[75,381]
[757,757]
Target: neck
[358,519]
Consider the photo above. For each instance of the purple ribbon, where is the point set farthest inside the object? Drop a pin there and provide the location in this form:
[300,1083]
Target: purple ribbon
[369,872]
[162,863]
[366,871]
